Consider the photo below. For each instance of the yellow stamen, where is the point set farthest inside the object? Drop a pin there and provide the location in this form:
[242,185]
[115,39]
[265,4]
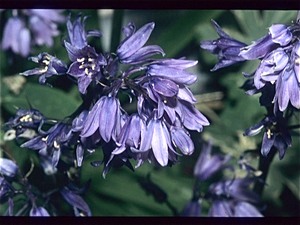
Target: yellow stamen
[47,57]
[81,60]
[86,71]
[269,133]
[44,70]
[26,118]
[45,139]
[46,62]
[56,145]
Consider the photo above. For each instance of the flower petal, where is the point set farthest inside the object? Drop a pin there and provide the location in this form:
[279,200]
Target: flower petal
[38,211]
[244,209]
[267,144]
[108,117]
[75,200]
[220,209]
[182,140]
[176,75]
[164,87]
[159,143]
[8,167]
[135,42]
[92,120]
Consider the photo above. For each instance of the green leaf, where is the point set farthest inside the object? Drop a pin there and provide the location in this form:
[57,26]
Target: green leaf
[52,102]
[120,193]
[241,111]
[284,17]
[180,33]
[255,23]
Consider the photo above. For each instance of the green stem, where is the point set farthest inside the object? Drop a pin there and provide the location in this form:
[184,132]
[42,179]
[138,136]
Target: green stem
[116,29]
[264,165]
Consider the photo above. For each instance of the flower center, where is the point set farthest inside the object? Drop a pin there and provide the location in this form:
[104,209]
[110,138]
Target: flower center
[26,118]
[271,128]
[88,64]
[46,62]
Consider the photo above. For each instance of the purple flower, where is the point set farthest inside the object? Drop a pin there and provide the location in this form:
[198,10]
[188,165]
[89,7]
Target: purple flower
[78,123]
[131,50]
[157,137]
[276,134]
[16,36]
[4,189]
[30,118]
[88,143]
[163,91]
[24,124]
[280,67]
[130,134]
[270,67]
[245,209]
[220,208]
[42,23]
[295,60]
[38,211]
[239,189]
[41,28]
[37,143]
[226,47]
[165,106]
[173,69]
[50,143]
[192,208]
[279,35]
[10,207]
[279,53]
[225,208]
[8,167]
[77,34]
[86,65]
[165,85]
[46,163]
[52,67]
[287,90]
[104,117]
[208,164]
[76,202]
[181,139]
[287,86]
[234,198]
[192,118]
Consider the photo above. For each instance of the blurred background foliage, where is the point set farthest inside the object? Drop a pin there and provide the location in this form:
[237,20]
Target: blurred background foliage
[152,191]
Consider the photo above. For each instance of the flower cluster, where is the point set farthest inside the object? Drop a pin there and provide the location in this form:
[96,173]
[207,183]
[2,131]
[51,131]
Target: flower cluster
[26,127]
[154,132]
[226,47]
[279,54]
[277,77]
[228,197]
[276,134]
[32,205]
[165,105]
[30,27]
